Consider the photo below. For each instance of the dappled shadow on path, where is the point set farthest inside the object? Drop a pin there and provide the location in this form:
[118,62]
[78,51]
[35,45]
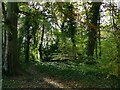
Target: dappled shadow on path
[74,76]
[32,80]
[51,76]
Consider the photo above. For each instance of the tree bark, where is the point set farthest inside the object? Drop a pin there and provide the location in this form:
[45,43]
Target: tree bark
[93,29]
[27,42]
[3,38]
[12,56]
[99,39]
[40,47]
[72,29]
[0,47]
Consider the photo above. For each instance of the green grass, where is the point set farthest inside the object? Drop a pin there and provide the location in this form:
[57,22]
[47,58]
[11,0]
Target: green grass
[68,68]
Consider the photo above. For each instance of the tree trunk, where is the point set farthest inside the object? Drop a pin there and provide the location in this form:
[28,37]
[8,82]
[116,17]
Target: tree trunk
[93,28]
[72,29]
[3,47]
[0,47]
[74,48]
[12,56]
[40,47]
[99,39]
[27,42]
[4,41]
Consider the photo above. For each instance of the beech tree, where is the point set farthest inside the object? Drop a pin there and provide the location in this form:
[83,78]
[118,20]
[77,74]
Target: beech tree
[11,23]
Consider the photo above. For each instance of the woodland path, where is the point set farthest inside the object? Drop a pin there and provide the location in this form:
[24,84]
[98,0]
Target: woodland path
[34,78]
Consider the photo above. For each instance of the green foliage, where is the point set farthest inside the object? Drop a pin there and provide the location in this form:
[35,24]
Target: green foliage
[54,15]
[65,37]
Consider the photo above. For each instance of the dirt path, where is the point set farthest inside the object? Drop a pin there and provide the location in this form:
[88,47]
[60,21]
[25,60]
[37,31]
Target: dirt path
[32,80]
[36,79]
[48,81]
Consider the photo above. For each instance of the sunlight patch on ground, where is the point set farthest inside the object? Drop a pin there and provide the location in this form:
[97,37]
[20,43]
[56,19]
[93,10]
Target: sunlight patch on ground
[54,83]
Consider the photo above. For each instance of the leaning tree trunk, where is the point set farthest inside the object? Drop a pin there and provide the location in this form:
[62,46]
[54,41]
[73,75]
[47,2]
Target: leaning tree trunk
[93,29]
[12,56]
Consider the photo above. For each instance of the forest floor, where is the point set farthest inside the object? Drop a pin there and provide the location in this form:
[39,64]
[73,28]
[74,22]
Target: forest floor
[60,75]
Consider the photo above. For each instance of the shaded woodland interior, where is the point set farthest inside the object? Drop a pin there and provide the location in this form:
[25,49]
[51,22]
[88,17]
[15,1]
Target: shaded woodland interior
[60,44]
